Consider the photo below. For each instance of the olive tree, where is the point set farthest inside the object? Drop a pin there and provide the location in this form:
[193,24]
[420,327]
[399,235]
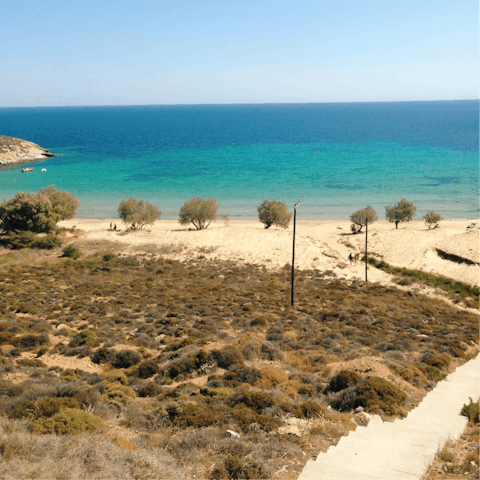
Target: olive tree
[138,213]
[360,218]
[432,219]
[199,212]
[37,212]
[272,212]
[403,211]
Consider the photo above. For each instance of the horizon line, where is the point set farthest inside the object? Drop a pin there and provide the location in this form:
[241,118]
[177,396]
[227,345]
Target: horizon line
[235,103]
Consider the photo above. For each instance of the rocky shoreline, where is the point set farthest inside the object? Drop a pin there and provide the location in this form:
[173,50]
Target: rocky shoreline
[14,151]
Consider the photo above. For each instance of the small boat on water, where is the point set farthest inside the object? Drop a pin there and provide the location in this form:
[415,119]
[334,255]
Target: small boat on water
[25,170]
[44,169]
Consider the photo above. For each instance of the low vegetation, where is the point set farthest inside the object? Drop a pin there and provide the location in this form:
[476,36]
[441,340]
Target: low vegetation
[460,291]
[153,361]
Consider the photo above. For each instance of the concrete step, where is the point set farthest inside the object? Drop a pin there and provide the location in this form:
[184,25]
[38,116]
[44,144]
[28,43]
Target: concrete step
[315,471]
[384,466]
[402,450]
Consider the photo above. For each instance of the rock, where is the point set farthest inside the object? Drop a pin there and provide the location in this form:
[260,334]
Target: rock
[362,419]
[376,418]
[160,337]
[15,151]
[231,433]
[359,409]
[290,429]
[60,326]
[298,422]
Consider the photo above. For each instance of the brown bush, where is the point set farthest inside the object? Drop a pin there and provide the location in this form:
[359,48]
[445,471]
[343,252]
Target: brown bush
[372,393]
[257,401]
[234,468]
[343,380]
[271,377]
[227,356]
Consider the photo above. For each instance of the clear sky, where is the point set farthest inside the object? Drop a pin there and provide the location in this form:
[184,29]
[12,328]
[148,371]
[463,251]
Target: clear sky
[128,52]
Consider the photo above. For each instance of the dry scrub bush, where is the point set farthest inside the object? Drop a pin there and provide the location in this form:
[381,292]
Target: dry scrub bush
[372,393]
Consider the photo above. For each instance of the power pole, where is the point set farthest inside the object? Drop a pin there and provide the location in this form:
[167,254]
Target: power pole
[366,249]
[293,254]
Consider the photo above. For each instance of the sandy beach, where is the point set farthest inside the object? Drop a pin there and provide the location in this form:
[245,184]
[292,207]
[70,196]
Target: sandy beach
[323,245]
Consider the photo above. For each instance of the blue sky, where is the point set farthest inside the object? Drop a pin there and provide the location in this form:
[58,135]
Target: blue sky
[194,52]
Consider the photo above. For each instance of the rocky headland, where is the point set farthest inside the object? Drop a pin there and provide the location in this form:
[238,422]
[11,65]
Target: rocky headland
[15,151]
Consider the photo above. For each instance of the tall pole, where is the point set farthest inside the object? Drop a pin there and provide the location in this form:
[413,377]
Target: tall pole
[366,249]
[293,253]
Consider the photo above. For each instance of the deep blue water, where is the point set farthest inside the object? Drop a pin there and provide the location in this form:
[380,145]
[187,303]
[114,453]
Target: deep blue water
[335,158]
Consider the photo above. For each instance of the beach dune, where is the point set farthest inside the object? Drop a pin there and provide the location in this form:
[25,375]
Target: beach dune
[322,245]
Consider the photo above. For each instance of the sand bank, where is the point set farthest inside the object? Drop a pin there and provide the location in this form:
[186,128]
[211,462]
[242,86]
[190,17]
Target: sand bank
[321,245]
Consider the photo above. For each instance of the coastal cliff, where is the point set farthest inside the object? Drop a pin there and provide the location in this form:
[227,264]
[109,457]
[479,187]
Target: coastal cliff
[15,151]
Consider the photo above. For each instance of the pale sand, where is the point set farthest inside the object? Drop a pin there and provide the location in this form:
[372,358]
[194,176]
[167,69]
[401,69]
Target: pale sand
[322,245]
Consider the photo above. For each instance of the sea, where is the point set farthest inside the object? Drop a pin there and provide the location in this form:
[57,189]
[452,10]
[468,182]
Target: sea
[334,158]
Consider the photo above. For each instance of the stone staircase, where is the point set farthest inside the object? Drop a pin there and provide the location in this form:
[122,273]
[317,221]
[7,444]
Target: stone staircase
[405,448]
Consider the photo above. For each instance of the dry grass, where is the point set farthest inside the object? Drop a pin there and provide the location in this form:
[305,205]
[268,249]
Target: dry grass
[184,351]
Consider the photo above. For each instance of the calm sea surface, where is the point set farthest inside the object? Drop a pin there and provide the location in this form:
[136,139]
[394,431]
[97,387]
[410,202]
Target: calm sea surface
[334,158]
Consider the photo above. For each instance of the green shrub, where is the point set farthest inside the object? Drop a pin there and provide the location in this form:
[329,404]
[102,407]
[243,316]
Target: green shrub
[227,356]
[118,392]
[125,359]
[147,369]
[439,361]
[342,380]
[19,240]
[68,421]
[44,408]
[186,364]
[471,412]
[6,338]
[149,389]
[37,212]
[71,251]
[273,212]
[108,257]
[257,401]
[102,355]
[307,410]
[48,242]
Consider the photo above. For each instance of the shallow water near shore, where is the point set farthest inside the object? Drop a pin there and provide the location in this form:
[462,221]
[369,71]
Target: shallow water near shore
[334,158]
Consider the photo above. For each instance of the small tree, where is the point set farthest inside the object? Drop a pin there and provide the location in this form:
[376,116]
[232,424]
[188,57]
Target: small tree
[37,212]
[64,204]
[403,211]
[138,213]
[272,212]
[198,211]
[432,219]
[360,217]
[225,218]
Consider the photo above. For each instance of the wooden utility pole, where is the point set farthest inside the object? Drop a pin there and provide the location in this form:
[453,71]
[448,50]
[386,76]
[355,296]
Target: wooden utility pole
[293,254]
[366,249]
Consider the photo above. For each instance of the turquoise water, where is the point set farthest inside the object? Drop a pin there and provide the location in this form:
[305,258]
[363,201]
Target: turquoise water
[169,155]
